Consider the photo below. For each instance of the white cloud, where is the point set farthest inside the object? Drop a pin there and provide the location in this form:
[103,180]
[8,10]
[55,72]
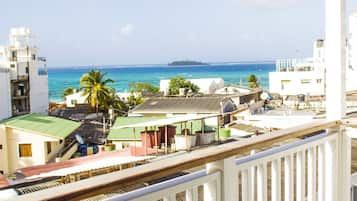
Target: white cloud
[127,29]
[121,33]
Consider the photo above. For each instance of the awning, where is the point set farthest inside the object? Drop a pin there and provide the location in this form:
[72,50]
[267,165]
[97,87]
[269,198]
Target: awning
[167,121]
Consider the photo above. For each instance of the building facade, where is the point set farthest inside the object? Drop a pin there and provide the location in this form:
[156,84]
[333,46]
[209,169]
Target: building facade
[32,139]
[307,76]
[23,76]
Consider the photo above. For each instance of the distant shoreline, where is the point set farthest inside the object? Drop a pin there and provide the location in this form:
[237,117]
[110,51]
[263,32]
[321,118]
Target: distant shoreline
[160,65]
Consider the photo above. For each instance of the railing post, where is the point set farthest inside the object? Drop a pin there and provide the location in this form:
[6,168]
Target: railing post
[289,177]
[262,187]
[300,176]
[229,181]
[276,180]
[321,172]
[311,174]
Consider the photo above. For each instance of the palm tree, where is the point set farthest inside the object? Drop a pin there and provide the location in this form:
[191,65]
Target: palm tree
[96,87]
[253,81]
[68,91]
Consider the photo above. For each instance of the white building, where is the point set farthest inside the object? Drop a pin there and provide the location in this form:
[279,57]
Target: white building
[307,76]
[32,139]
[76,98]
[206,85]
[24,84]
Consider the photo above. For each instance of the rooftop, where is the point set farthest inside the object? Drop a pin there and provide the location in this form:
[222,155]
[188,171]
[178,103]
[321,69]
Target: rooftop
[127,133]
[198,105]
[43,125]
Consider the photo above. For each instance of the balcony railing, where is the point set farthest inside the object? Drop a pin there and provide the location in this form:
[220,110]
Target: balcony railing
[309,162]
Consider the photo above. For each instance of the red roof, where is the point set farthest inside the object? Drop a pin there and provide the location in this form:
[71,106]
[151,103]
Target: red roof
[38,169]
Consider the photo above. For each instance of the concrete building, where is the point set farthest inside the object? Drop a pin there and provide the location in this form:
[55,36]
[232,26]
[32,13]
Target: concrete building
[206,85]
[31,139]
[23,76]
[76,98]
[307,76]
[304,76]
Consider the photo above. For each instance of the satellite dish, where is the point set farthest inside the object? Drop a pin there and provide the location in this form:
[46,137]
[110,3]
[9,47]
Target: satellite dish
[264,96]
[79,139]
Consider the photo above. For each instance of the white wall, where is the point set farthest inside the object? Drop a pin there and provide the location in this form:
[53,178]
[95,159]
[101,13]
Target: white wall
[206,85]
[4,151]
[5,94]
[38,91]
[13,137]
[295,85]
[77,97]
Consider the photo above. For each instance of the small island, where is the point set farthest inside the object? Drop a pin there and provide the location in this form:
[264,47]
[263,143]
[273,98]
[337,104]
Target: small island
[187,63]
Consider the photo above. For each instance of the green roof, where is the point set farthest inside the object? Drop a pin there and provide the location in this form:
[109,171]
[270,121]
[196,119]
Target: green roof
[127,133]
[43,125]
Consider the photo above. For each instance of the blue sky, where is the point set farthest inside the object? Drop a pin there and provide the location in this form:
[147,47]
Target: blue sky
[99,32]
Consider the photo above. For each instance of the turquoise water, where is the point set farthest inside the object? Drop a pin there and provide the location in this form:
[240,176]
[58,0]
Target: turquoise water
[61,78]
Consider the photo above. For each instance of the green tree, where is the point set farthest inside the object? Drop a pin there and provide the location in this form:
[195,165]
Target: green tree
[253,81]
[68,91]
[134,101]
[140,87]
[115,102]
[179,82]
[95,85]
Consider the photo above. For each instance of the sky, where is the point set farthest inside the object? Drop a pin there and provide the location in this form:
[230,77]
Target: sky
[121,32]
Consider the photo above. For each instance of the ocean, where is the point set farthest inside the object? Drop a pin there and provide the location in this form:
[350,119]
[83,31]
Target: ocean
[233,74]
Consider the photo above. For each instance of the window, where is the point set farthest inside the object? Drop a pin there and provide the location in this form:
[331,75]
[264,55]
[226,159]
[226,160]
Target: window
[48,147]
[74,102]
[0,146]
[14,55]
[1,172]
[125,145]
[305,81]
[34,57]
[319,81]
[283,83]
[27,70]
[25,150]
[12,65]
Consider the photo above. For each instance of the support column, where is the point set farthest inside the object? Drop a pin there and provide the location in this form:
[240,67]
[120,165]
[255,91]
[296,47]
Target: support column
[335,59]
[344,165]
[229,181]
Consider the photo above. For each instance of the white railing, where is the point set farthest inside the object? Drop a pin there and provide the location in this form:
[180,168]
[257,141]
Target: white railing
[169,190]
[294,65]
[319,163]
[282,173]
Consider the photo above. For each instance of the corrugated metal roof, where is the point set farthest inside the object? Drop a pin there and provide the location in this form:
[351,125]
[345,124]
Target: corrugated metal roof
[198,105]
[43,125]
[123,127]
